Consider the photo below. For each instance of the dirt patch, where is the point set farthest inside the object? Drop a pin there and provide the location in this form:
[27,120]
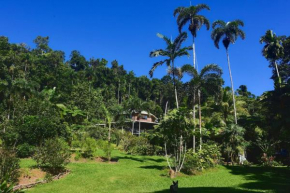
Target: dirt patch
[29,180]
[31,176]
[96,159]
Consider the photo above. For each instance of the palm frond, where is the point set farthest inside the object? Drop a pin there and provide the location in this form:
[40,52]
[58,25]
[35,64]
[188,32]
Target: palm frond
[182,22]
[241,33]
[201,7]
[211,69]
[218,23]
[155,65]
[238,22]
[166,39]
[179,40]
[157,53]
[178,10]
[216,36]
[190,70]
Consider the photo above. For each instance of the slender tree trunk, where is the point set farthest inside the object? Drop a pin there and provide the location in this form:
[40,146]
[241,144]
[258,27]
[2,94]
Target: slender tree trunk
[177,105]
[193,51]
[194,61]
[119,92]
[193,137]
[174,83]
[276,66]
[166,108]
[233,91]
[199,112]
[109,136]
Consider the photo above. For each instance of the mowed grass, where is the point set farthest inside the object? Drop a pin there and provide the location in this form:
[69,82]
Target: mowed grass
[149,174]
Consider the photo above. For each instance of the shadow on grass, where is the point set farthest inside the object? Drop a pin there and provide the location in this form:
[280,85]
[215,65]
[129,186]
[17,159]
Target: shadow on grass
[143,159]
[207,190]
[275,179]
[153,167]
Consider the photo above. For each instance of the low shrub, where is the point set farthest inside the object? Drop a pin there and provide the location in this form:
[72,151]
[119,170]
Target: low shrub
[25,150]
[9,166]
[208,157]
[269,161]
[128,141]
[108,148]
[138,145]
[54,154]
[78,156]
[89,147]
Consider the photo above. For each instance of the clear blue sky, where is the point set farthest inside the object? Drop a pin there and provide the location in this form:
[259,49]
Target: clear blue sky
[126,30]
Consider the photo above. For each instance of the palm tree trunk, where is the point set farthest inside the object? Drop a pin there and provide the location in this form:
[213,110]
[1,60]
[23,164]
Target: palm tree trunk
[193,137]
[166,109]
[193,51]
[232,83]
[194,61]
[276,66]
[177,105]
[175,91]
[199,110]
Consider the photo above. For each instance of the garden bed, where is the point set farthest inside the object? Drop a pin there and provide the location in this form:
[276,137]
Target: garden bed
[32,177]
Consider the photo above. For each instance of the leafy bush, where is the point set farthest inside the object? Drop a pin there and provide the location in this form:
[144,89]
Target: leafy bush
[54,154]
[9,166]
[138,145]
[25,150]
[269,161]
[7,188]
[208,157]
[78,156]
[108,148]
[97,132]
[128,141]
[89,146]
[76,144]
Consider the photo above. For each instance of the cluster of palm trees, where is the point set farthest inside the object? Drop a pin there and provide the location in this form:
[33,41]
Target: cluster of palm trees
[227,32]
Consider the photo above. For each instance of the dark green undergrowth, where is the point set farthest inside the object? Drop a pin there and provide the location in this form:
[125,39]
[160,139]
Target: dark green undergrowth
[150,174]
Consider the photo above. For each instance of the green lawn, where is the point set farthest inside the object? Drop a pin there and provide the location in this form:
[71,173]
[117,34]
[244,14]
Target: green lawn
[148,174]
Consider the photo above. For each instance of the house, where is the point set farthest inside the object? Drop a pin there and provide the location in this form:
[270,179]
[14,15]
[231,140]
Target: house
[142,121]
[137,122]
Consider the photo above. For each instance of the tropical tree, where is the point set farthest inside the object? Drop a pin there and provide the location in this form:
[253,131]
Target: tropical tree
[171,52]
[229,33]
[174,130]
[191,15]
[207,81]
[273,48]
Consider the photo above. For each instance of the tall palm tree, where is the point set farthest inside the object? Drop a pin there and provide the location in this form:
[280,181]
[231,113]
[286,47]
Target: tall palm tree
[171,52]
[273,48]
[229,33]
[191,15]
[208,81]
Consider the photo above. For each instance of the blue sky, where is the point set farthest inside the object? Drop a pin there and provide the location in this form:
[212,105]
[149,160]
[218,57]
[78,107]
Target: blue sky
[126,30]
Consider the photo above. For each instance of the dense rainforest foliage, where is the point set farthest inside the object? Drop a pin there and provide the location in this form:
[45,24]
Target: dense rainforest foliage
[45,96]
